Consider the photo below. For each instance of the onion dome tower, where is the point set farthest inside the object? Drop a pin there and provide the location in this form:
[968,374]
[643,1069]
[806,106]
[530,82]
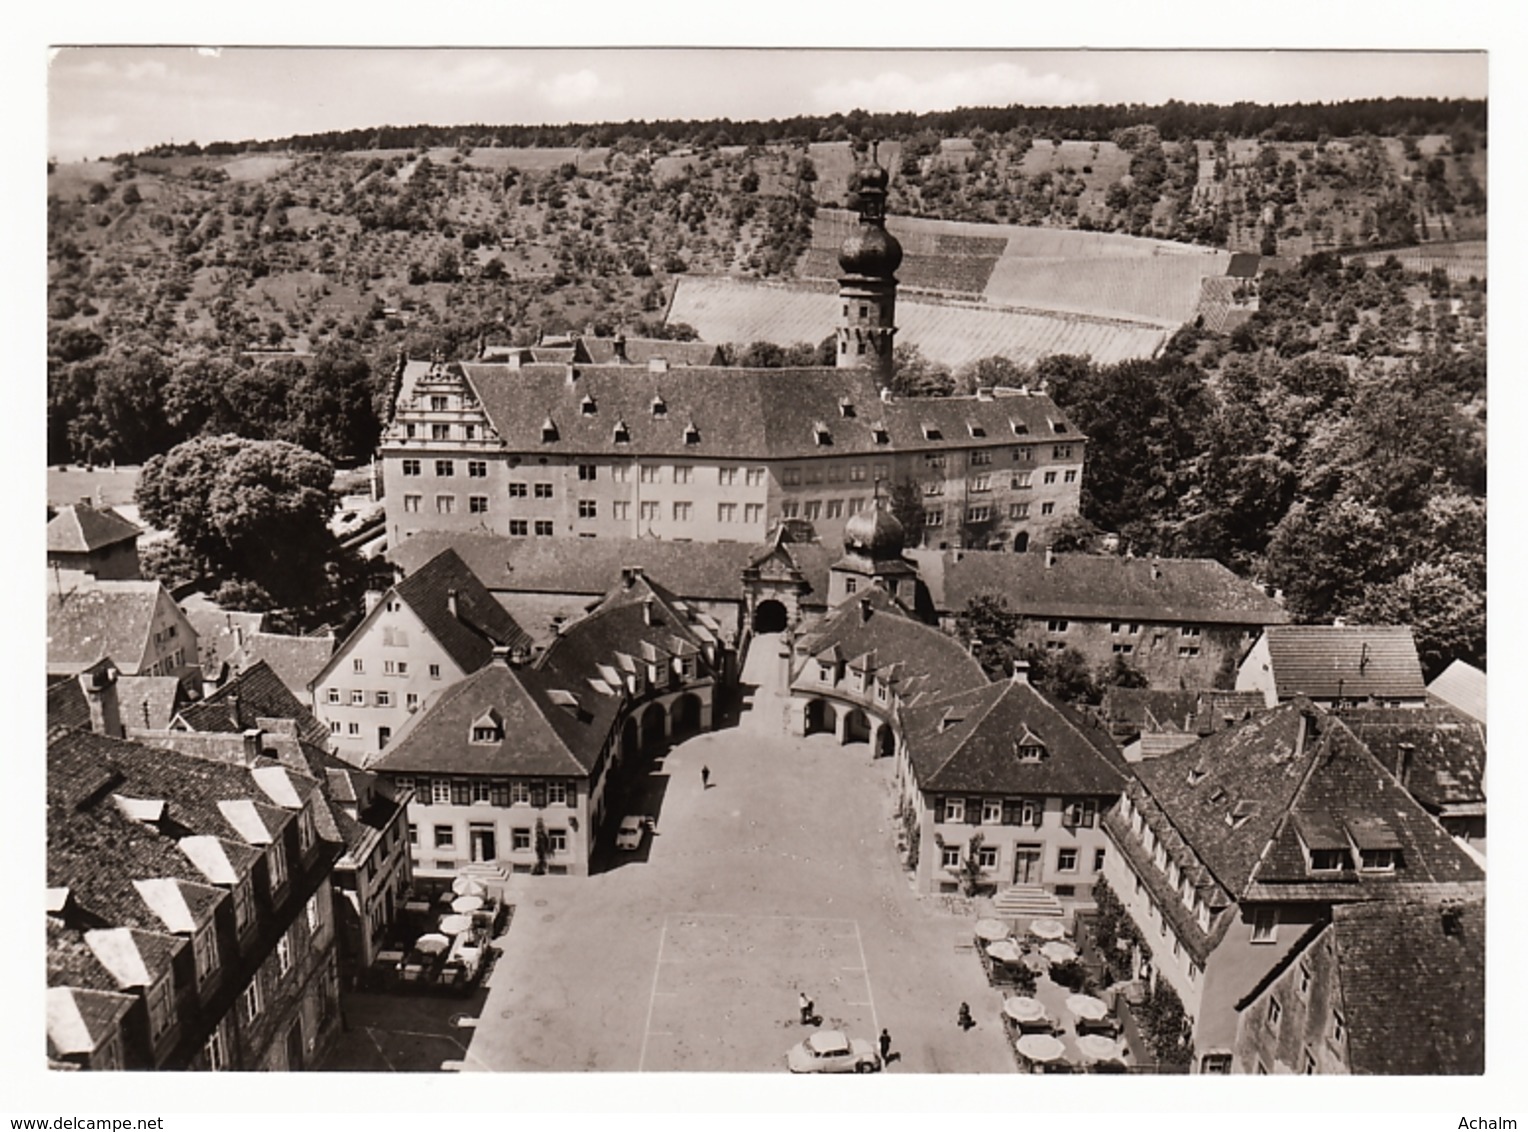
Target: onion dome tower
[873,543]
[869,258]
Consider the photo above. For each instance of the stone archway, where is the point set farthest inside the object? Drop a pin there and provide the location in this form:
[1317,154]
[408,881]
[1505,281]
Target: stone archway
[1021,542]
[654,723]
[885,742]
[684,715]
[820,716]
[857,727]
[770,616]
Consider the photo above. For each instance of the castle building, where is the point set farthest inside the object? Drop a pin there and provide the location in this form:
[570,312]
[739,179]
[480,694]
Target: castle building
[531,449]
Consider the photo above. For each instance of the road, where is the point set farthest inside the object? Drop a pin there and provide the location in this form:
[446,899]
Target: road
[780,877]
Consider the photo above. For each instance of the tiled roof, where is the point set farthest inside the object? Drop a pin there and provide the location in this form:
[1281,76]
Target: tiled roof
[480,622]
[79,1020]
[109,619]
[1128,711]
[934,663]
[1350,661]
[1231,797]
[67,705]
[80,528]
[1413,986]
[736,413]
[968,741]
[255,694]
[1183,590]
[295,660]
[1439,754]
[540,737]
[215,628]
[698,571]
[640,351]
[149,702]
[1461,686]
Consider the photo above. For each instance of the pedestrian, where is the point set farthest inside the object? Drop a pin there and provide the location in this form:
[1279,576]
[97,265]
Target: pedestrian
[885,1047]
[965,1021]
[806,1008]
[705,778]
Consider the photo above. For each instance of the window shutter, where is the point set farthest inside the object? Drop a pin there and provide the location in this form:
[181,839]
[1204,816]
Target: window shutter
[1010,813]
[499,792]
[572,794]
[461,792]
[538,795]
[1037,811]
[973,811]
[939,809]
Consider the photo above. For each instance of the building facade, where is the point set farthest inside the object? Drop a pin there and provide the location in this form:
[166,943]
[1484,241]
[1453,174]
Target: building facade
[137,624]
[530,449]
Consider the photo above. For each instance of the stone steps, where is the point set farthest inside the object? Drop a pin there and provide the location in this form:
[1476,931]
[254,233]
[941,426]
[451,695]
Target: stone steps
[1026,901]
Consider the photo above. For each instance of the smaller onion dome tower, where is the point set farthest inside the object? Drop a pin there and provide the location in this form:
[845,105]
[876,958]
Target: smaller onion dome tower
[873,543]
[869,258]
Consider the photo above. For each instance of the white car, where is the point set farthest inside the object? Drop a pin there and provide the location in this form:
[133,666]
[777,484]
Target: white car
[832,1051]
[629,835]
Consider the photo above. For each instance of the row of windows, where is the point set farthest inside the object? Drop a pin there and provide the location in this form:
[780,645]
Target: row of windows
[980,513]
[1178,879]
[1067,859]
[1275,1016]
[1080,813]
[489,791]
[520,839]
[389,667]
[442,431]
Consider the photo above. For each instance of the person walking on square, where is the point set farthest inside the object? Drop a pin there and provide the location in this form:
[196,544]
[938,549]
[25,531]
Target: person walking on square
[885,1047]
[806,1008]
[965,1021]
[705,778]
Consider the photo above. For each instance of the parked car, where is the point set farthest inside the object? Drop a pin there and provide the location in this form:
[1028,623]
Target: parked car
[833,1051]
[629,835]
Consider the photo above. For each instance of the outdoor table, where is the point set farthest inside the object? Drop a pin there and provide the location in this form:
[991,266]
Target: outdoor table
[1058,952]
[991,930]
[390,958]
[1047,929]
[1004,951]
[421,907]
[1040,1047]
[1022,1008]
[1086,1006]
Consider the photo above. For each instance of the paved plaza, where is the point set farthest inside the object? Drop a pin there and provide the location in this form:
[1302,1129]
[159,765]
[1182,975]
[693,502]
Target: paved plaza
[780,877]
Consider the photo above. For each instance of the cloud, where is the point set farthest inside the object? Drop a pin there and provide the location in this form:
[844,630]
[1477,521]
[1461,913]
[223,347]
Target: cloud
[577,88]
[998,84]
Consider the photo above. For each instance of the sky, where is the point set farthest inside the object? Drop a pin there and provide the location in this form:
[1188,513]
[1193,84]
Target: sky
[108,100]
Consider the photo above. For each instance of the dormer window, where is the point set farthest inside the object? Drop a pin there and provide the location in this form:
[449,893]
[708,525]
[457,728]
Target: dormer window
[488,728]
[1195,776]
[932,432]
[845,407]
[691,434]
[1029,750]
[878,431]
[1378,860]
[660,408]
[587,406]
[1019,428]
[975,429]
[1060,427]
[821,434]
[1330,860]
[548,431]
[622,433]
[825,673]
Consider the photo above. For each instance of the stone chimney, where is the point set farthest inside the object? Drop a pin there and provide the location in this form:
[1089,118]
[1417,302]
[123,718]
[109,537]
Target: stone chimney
[1050,558]
[648,617]
[451,606]
[629,576]
[100,687]
[619,347]
[253,738]
[864,609]
[1021,672]
[1156,570]
[1403,763]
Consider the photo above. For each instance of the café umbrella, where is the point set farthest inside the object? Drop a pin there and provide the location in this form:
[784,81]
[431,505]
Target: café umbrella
[1047,929]
[1004,951]
[991,930]
[1098,1048]
[1086,1006]
[466,904]
[1058,952]
[1022,1008]
[432,944]
[1040,1047]
[466,886]
[455,924]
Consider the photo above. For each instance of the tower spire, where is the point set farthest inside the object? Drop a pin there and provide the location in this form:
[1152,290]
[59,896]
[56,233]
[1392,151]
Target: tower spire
[869,258]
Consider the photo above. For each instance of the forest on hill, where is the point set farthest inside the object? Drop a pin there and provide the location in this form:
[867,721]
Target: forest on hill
[1329,440]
